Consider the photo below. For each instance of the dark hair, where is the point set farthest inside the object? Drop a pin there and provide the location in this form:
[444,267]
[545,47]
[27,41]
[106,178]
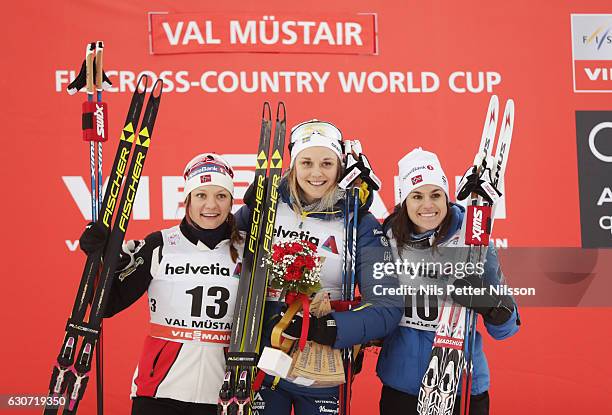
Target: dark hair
[235,237]
[402,226]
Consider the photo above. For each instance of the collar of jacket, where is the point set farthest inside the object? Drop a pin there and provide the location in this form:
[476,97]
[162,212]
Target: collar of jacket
[422,240]
[209,237]
[337,212]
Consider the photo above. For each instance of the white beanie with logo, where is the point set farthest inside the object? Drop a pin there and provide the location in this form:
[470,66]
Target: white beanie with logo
[315,133]
[418,168]
[208,169]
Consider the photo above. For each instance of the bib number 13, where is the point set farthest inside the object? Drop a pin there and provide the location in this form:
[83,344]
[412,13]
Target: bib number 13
[220,296]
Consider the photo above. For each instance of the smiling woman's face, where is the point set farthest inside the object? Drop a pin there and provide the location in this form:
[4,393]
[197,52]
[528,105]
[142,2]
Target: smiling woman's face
[427,207]
[316,171]
[209,206]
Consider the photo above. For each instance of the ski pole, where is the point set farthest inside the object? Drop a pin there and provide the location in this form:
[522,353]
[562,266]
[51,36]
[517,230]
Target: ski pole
[99,345]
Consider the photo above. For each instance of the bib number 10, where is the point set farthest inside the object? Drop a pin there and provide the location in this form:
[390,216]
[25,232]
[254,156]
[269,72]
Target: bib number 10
[220,296]
[417,303]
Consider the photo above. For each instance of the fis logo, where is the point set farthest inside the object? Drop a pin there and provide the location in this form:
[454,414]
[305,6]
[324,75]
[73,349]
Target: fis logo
[599,37]
[417,179]
[330,245]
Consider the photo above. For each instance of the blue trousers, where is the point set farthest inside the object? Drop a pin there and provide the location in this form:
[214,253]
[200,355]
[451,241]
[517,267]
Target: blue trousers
[278,401]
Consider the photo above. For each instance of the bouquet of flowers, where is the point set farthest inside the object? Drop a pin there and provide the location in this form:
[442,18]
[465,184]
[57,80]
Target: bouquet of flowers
[295,268]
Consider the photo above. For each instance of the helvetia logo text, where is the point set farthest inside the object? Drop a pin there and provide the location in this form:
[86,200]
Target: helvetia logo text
[188,269]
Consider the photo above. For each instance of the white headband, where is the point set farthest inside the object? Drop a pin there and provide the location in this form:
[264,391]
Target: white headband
[315,133]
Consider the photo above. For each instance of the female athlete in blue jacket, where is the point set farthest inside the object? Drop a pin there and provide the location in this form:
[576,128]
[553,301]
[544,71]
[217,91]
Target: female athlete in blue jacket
[311,207]
[425,229]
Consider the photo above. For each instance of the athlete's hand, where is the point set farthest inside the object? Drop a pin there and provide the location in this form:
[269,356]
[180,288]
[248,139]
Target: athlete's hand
[321,330]
[249,195]
[495,309]
[93,239]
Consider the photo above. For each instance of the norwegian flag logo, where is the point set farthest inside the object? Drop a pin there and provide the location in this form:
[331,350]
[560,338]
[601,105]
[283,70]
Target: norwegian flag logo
[205,178]
[417,179]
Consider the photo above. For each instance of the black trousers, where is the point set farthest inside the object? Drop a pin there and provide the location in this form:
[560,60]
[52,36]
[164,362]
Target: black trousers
[394,402]
[163,406]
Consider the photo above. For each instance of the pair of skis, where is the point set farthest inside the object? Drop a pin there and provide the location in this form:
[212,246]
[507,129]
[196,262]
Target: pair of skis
[351,207]
[71,370]
[95,127]
[355,169]
[236,390]
[483,183]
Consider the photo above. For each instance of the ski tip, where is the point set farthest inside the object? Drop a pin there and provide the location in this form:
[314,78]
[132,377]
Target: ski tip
[143,83]
[266,113]
[90,48]
[100,44]
[280,105]
[157,89]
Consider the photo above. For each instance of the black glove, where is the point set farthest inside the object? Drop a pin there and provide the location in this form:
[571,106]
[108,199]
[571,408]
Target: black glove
[495,309]
[93,239]
[321,330]
[249,195]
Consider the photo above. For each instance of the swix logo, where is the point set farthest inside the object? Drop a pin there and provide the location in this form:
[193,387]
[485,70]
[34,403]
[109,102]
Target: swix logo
[115,186]
[417,179]
[477,225]
[477,230]
[99,113]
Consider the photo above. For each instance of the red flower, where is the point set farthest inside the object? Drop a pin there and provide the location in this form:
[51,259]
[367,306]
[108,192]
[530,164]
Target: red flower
[311,246]
[293,273]
[299,262]
[278,254]
[294,248]
[309,262]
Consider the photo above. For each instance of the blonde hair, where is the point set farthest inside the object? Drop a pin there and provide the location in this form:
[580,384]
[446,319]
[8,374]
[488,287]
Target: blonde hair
[235,237]
[326,203]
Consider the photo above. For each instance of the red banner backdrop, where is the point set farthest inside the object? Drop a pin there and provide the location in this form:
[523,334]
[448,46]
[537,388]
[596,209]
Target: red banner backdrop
[413,74]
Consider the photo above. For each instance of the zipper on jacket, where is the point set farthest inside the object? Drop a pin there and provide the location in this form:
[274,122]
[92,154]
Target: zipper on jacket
[156,359]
